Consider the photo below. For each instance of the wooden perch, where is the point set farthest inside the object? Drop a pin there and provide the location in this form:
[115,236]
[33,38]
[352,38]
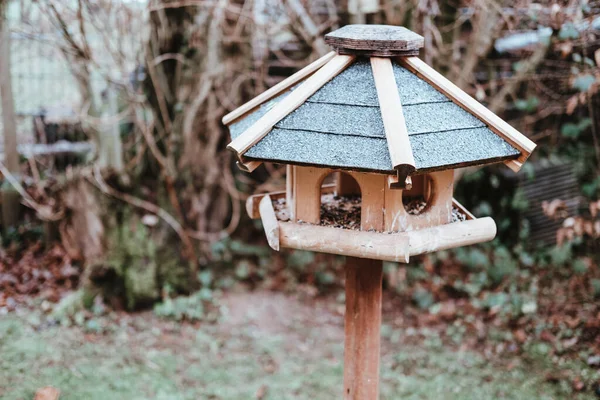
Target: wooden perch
[269,220]
[277,89]
[346,242]
[263,126]
[397,247]
[458,96]
[394,123]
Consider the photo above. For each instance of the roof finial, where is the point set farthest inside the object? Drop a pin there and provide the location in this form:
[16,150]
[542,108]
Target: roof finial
[375,40]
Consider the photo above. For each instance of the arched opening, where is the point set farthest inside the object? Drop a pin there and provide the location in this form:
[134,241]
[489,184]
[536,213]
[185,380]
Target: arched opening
[418,199]
[341,201]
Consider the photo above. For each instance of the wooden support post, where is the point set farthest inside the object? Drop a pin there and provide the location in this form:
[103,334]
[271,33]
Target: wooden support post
[362,328]
[363,310]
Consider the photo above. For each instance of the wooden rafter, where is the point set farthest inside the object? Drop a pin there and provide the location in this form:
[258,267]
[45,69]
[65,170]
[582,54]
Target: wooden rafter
[394,123]
[458,96]
[277,89]
[263,126]
[247,166]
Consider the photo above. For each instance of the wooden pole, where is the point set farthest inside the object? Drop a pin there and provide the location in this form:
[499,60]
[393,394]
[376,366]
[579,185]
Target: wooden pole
[362,328]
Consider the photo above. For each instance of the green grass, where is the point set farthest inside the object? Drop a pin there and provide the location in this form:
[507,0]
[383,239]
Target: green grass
[141,357]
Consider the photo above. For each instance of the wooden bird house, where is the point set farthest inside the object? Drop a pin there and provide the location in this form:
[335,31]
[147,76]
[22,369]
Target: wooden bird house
[389,131]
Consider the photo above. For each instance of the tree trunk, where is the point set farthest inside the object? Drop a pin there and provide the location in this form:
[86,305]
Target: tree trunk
[11,202]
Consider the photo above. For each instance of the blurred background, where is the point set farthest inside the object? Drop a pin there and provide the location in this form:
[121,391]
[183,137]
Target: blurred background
[130,270]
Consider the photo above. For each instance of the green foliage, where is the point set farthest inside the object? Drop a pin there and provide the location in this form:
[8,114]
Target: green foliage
[567,31]
[530,105]
[584,82]
[423,298]
[561,255]
[504,265]
[160,360]
[573,130]
[595,288]
[300,259]
[227,249]
[189,308]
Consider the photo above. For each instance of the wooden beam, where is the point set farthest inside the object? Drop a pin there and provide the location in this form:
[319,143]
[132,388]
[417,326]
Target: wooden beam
[449,236]
[458,96]
[307,191]
[289,190]
[263,126]
[394,123]
[362,328]
[372,187]
[397,247]
[277,89]
[269,221]
[345,242]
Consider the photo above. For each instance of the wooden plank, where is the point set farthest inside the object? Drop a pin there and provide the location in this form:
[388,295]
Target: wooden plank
[269,221]
[384,38]
[372,188]
[377,53]
[462,209]
[253,201]
[263,126]
[362,328]
[277,89]
[394,212]
[347,242]
[439,208]
[289,189]
[307,190]
[346,185]
[394,122]
[457,95]
[247,166]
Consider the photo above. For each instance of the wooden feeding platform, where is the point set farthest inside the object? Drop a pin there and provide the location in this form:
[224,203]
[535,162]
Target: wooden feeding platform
[371,136]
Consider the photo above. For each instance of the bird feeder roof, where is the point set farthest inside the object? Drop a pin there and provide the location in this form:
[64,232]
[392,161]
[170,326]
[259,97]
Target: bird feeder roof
[373,114]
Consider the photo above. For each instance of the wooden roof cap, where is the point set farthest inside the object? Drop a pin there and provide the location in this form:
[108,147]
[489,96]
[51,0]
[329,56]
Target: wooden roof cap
[375,40]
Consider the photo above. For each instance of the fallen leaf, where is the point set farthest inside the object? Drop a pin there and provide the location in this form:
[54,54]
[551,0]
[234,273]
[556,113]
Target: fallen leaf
[578,384]
[47,393]
[261,392]
[520,336]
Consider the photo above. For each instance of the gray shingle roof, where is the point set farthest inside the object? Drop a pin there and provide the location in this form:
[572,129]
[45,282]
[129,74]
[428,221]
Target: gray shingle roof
[341,126]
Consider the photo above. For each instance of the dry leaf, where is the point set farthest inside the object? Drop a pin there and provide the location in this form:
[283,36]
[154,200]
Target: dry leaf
[520,336]
[572,104]
[261,392]
[597,57]
[594,208]
[555,209]
[47,393]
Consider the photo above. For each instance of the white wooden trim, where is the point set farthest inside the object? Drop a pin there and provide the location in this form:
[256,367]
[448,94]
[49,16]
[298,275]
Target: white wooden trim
[263,126]
[394,122]
[457,95]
